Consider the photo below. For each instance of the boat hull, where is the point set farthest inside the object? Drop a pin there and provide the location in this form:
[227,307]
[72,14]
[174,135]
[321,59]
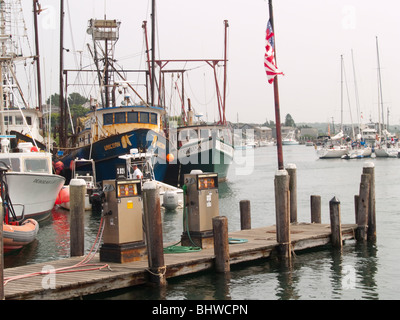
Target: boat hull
[208,155]
[386,152]
[34,194]
[105,153]
[331,153]
[15,237]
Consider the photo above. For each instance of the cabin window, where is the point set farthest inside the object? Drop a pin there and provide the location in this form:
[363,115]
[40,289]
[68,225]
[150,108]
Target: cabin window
[153,118]
[19,120]
[7,120]
[133,117]
[15,164]
[108,118]
[36,165]
[29,121]
[119,117]
[144,117]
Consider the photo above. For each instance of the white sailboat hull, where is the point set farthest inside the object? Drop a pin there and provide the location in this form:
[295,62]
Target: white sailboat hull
[330,153]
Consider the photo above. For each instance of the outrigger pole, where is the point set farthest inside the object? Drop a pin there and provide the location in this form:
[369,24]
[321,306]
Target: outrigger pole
[276,99]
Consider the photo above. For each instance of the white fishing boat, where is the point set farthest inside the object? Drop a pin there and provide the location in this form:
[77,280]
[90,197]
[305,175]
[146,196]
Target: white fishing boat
[29,182]
[32,186]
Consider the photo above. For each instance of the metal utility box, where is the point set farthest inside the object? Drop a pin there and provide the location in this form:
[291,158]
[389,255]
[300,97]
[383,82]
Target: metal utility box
[201,200]
[123,210]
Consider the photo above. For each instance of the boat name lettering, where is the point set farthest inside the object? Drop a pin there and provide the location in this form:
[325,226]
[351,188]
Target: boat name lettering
[40,181]
[112,146]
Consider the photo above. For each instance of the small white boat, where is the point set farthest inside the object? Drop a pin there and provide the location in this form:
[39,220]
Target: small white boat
[290,139]
[358,153]
[32,186]
[171,197]
[82,169]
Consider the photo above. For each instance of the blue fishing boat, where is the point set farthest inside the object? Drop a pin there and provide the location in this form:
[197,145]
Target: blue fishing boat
[123,128]
[115,124]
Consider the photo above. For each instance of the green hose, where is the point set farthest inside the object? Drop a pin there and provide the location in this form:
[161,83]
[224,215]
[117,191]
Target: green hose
[175,248]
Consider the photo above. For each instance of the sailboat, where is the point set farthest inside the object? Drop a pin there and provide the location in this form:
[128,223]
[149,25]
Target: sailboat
[359,148]
[386,145]
[333,147]
[112,128]
[29,180]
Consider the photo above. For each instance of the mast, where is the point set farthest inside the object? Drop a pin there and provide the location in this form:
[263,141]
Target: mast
[2,56]
[341,93]
[380,96]
[37,58]
[276,99]
[223,120]
[153,23]
[62,130]
[356,92]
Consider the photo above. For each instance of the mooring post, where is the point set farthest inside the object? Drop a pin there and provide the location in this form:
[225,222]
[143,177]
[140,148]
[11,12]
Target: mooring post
[315,204]
[369,168]
[281,183]
[77,191]
[363,208]
[221,244]
[154,235]
[336,228]
[245,214]
[292,171]
[356,198]
[1,253]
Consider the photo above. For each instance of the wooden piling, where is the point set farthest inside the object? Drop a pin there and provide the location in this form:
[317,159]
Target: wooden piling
[315,204]
[356,199]
[245,215]
[369,168]
[77,191]
[154,235]
[221,244]
[292,171]
[1,253]
[336,228]
[363,208]
[281,183]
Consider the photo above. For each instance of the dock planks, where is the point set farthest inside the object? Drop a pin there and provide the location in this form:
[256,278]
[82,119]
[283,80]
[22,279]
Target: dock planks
[260,243]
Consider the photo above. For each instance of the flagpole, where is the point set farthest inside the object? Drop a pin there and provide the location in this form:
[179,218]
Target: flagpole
[276,99]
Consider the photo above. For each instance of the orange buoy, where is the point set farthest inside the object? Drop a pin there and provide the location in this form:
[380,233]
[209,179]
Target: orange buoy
[63,196]
[170,157]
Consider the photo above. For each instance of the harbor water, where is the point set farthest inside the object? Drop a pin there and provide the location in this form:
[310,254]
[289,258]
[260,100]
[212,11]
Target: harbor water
[359,271]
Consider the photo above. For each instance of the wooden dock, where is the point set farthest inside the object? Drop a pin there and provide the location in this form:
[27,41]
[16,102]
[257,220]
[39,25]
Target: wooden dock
[261,242]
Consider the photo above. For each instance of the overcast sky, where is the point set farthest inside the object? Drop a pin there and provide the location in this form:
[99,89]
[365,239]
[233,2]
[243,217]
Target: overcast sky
[310,37]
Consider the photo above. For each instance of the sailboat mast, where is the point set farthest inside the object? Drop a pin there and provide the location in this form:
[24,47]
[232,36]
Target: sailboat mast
[341,93]
[380,88]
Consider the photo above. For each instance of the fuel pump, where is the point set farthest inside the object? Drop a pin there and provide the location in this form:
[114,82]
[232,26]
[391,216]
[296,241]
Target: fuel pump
[201,206]
[123,238]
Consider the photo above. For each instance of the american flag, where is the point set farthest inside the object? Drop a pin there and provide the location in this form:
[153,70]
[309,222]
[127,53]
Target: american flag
[269,57]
